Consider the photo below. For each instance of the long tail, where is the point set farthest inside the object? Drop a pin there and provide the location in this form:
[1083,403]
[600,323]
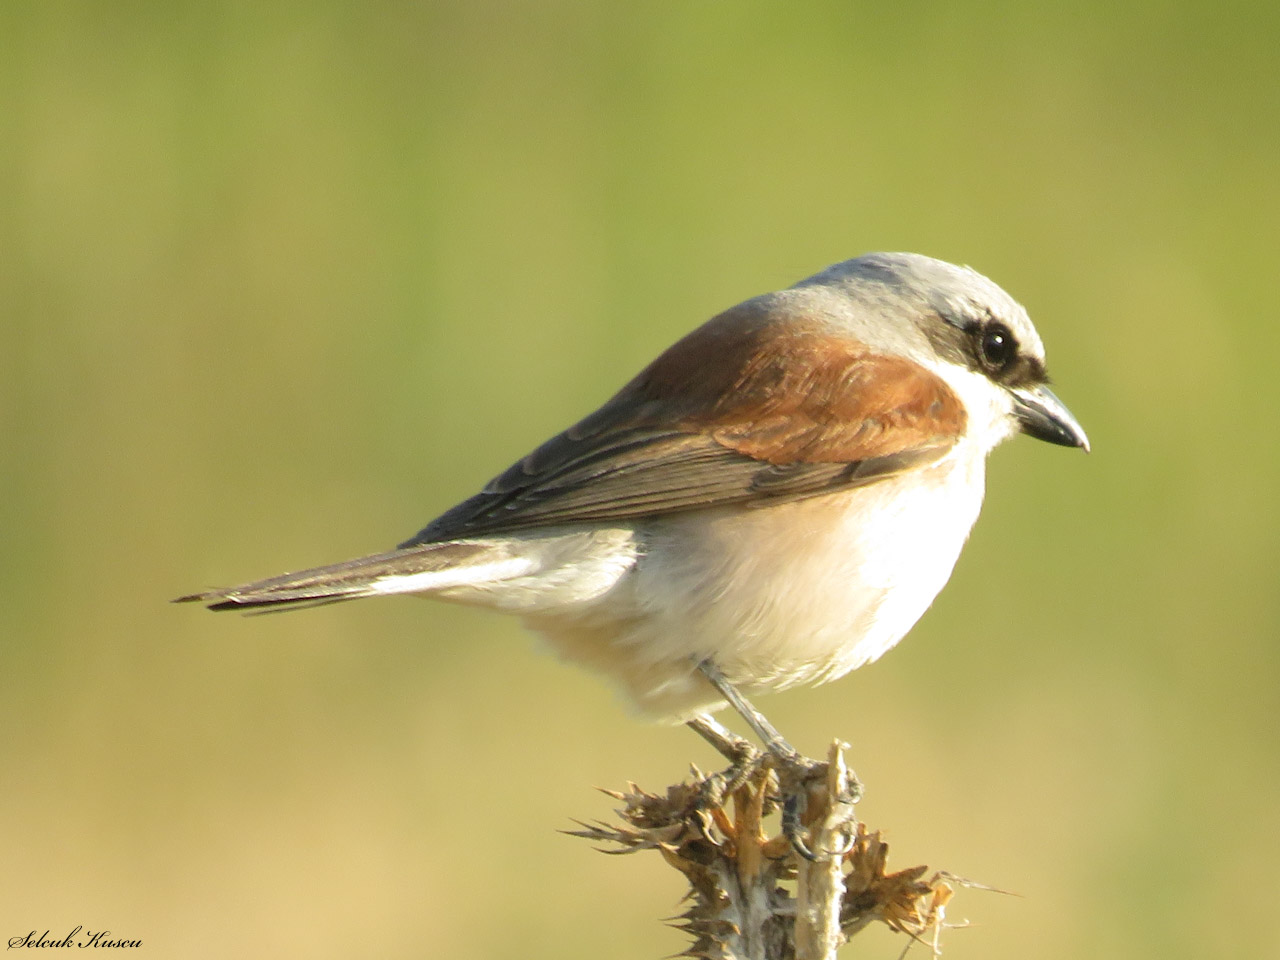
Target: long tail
[421,569]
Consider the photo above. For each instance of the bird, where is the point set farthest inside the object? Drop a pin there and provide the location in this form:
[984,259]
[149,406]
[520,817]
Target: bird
[773,502]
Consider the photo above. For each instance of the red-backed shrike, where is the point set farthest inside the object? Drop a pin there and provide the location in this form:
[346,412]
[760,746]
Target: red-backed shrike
[774,501]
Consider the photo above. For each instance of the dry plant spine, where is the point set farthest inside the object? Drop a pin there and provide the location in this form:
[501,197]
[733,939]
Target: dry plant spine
[741,879]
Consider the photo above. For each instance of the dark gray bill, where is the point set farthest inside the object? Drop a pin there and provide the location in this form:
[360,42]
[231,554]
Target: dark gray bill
[1045,417]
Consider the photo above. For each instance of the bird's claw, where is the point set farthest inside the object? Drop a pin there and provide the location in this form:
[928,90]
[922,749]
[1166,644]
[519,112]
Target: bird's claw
[718,786]
[798,776]
[793,805]
[796,773]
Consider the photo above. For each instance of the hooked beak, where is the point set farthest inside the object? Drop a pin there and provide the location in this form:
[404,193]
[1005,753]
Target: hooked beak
[1043,416]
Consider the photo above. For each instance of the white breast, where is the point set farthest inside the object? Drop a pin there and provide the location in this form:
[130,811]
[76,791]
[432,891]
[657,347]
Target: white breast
[796,593]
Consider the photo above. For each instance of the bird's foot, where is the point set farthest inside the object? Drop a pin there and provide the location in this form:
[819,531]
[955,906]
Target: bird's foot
[803,785]
[744,759]
[800,779]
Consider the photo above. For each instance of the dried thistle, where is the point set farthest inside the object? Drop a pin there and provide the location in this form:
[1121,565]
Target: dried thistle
[751,896]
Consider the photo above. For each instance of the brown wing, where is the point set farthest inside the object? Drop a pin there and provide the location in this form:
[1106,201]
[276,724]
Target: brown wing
[751,408]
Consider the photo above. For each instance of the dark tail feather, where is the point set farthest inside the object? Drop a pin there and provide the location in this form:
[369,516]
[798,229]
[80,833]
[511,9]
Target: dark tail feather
[349,580]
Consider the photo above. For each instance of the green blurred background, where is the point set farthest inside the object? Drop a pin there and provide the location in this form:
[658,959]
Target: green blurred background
[282,281]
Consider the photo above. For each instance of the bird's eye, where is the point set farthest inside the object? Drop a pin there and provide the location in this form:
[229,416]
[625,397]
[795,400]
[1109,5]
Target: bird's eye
[997,347]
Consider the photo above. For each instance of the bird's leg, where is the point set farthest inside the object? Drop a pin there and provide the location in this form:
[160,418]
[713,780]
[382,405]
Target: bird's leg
[743,757]
[728,744]
[794,769]
[760,726]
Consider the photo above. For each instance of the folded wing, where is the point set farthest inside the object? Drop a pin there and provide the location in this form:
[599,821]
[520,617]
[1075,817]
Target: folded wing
[752,408]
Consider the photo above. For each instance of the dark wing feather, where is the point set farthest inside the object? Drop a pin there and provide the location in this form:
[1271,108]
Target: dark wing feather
[749,409]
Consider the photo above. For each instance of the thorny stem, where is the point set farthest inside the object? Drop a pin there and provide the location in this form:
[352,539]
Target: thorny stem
[741,878]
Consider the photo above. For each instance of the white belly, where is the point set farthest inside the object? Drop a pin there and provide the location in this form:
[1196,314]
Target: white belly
[797,593]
